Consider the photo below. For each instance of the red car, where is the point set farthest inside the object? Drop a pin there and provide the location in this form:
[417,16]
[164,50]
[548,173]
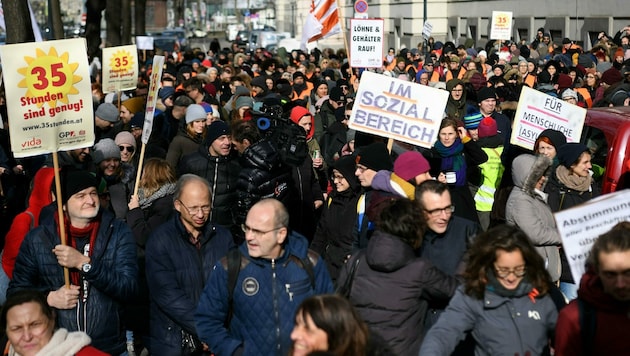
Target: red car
[607,133]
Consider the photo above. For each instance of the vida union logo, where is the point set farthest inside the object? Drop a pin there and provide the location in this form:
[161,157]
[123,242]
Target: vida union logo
[33,142]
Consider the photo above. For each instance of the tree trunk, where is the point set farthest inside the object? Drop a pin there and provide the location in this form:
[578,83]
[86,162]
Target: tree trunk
[114,23]
[125,30]
[141,21]
[57,24]
[18,21]
[93,27]
[179,11]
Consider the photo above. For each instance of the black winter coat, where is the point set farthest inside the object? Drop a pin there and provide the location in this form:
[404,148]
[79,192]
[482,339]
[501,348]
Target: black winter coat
[177,273]
[112,279]
[391,290]
[222,173]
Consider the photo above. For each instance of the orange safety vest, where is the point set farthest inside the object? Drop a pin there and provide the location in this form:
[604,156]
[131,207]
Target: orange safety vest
[449,74]
[530,81]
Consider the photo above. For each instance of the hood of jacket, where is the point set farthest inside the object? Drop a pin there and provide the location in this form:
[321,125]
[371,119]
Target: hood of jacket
[527,170]
[388,253]
[42,186]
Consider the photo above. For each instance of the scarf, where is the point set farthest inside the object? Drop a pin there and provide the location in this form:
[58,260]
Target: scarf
[75,233]
[164,190]
[62,343]
[453,160]
[523,288]
[572,181]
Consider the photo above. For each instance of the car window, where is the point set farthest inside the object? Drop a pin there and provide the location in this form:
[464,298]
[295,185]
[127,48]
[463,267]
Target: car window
[595,140]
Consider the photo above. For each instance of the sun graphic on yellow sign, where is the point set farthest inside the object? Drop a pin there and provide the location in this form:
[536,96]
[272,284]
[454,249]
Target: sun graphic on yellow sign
[121,61]
[49,78]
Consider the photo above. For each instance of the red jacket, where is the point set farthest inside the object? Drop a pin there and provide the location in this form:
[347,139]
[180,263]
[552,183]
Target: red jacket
[40,197]
[612,320]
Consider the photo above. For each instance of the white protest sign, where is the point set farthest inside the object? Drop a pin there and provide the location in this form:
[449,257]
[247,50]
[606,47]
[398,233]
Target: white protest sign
[49,96]
[426,30]
[580,226]
[366,43]
[398,109]
[501,26]
[538,111]
[120,68]
[144,42]
[156,75]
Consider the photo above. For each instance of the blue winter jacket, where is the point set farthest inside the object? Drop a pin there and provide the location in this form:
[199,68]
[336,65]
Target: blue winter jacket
[266,297]
[176,274]
[112,279]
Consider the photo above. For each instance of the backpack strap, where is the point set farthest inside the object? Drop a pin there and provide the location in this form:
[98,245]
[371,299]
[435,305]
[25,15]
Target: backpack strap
[32,219]
[588,325]
[233,268]
[346,289]
[308,264]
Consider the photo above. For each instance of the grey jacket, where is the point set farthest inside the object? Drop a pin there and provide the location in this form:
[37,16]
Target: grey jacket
[528,209]
[500,325]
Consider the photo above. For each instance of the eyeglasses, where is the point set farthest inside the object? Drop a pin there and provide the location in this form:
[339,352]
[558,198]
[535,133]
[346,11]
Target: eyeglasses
[193,210]
[590,76]
[437,212]
[129,149]
[246,229]
[505,272]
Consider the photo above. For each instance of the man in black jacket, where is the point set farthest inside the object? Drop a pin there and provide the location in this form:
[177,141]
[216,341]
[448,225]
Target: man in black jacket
[101,258]
[216,162]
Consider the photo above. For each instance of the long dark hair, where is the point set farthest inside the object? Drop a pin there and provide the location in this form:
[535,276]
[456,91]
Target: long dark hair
[483,254]
[347,333]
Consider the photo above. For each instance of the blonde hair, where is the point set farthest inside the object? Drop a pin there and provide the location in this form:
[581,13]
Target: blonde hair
[156,173]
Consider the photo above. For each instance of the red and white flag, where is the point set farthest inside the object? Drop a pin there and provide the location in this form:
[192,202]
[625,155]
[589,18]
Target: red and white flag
[321,22]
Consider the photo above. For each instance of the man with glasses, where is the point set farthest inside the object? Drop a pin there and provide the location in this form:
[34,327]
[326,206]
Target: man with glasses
[180,255]
[194,90]
[277,272]
[447,238]
[597,322]
[100,257]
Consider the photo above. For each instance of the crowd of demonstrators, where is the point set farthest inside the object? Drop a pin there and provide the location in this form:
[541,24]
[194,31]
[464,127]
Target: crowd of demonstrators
[227,116]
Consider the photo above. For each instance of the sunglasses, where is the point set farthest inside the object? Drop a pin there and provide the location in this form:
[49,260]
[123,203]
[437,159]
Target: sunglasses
[129,149]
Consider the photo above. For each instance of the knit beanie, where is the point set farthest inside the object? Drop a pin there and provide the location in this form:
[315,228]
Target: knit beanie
[603,66]
[486,93]
[564,81]
[134,105]
[125,138]
[411,164]
[137,120]
[298,112]
[346,166]
[556,137]
[477,81]
[472,118]
[166,92]
[487,127]
[195,112]
[74,181]
[569,94]
[612,76]
[569,153]
[105,149]
[241,90]
[216,130]
[107,112]
[243,101]
[260,81]
[206,107]
[619,98]
[375,156]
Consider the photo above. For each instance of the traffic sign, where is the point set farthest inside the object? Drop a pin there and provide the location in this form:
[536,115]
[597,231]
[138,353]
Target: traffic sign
[360,6]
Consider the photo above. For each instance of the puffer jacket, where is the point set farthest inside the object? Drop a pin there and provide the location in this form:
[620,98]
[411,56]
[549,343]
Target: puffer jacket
[221,172]
[112,279]
[391,289]
[262,176]
[177,273]
[520,325]
[266,297]
[527,208]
